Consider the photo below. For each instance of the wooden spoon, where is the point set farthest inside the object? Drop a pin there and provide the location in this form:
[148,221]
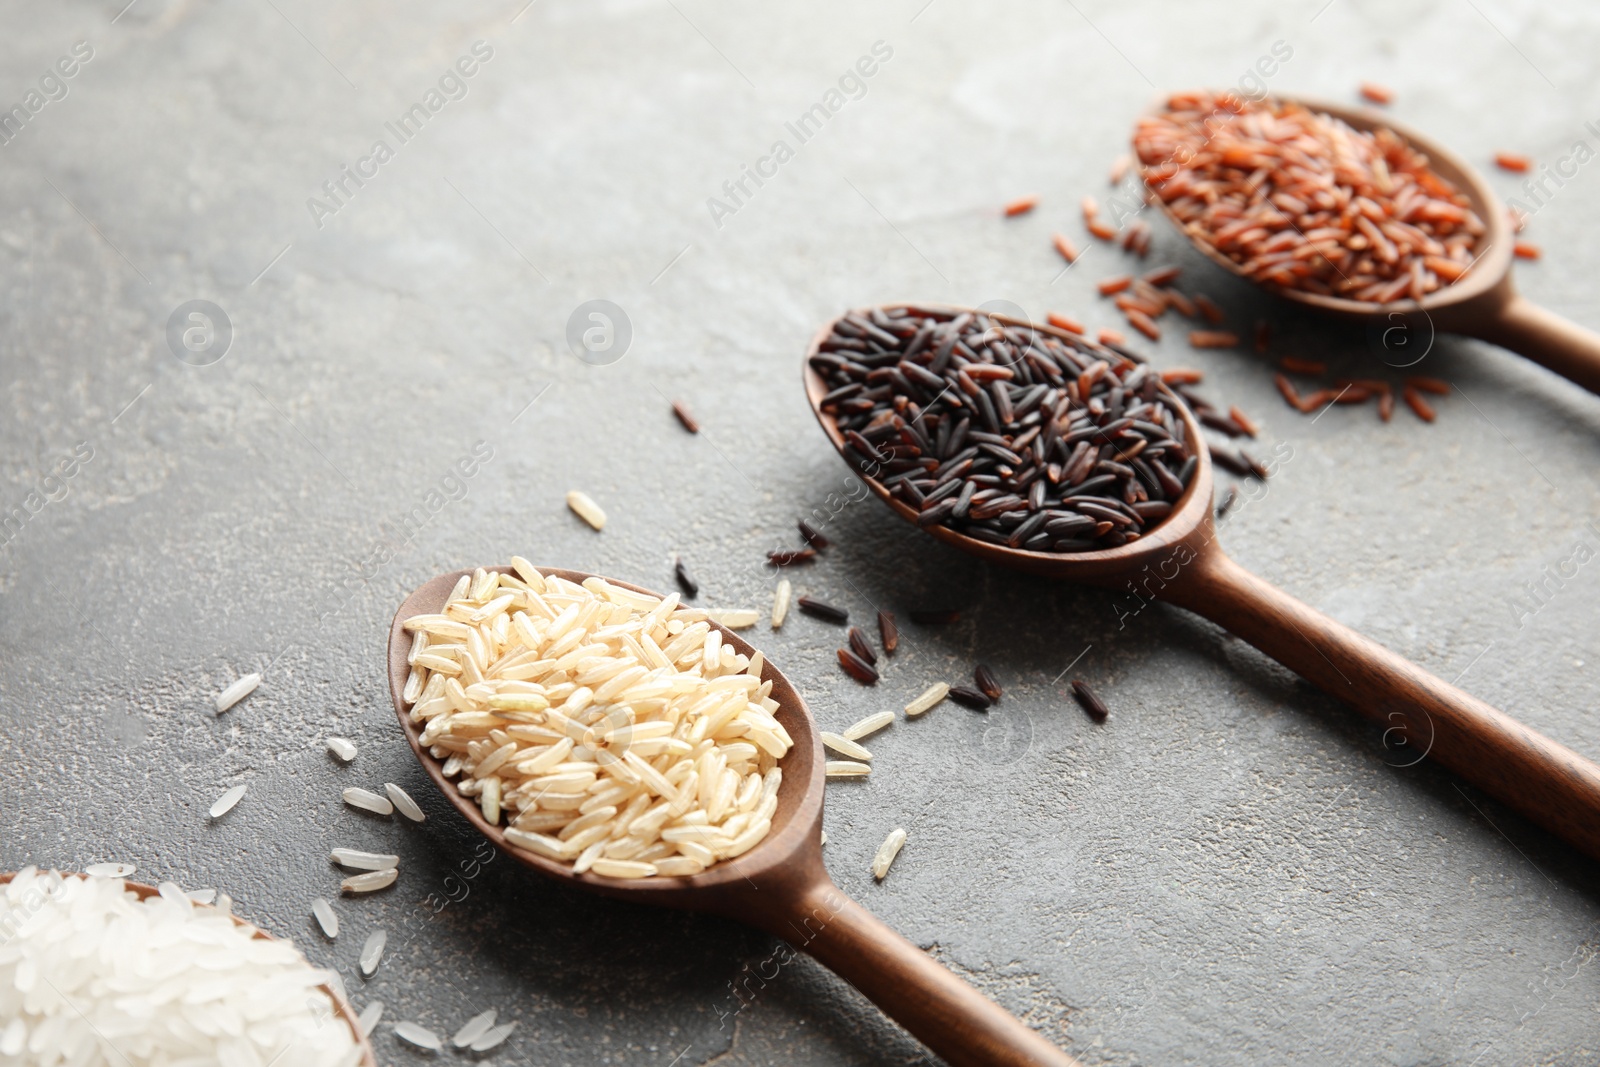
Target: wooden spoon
[345,1012]
[779,886]
[1180,561]
[1482,303]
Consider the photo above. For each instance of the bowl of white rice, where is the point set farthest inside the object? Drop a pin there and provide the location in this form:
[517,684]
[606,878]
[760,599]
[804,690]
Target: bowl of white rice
[102,972]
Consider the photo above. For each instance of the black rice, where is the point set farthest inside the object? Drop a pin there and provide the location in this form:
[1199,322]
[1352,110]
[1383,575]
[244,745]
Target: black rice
[985,680]
[820,610]
[859,645]
[857,668]
[812,537]
[969,697]
[788,557]
[686,582]
[1228,499]
[1087,699]
[1006,432]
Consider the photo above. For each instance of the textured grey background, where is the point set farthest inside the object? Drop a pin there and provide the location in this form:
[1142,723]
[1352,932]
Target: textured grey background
[1230,870]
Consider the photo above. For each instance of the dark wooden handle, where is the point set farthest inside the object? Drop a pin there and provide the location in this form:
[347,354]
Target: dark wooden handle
[1545,781]
[953,1019]
[1544,337]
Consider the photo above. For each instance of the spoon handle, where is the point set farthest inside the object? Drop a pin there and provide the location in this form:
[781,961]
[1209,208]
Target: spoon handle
[1544,337]
[1545,781]
[951,1018]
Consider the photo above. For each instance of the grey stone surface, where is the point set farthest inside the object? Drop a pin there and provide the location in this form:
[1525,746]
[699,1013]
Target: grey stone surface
[1229,871]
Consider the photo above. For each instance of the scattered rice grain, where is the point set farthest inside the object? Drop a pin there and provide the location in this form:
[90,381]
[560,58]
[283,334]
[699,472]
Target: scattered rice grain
[930,696]
[583,505]
[870,725]
[236,692]
[887,852]
[403,802]
[227,800]
[367,800]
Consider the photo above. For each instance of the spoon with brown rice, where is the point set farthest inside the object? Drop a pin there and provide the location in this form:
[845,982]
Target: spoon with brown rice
[616,740]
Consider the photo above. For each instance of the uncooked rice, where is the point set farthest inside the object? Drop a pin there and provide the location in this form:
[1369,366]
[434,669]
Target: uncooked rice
[342,747]
[325,917]
[930,696]
[608,729]
[202,896]
[493,1038]
[368,1020]
[583,505]
[367,800]
[871,724]
[372,952]
[109,870]
[844,746]
[95,977]
[780,602]
[403,802]
[844,768]
[735,618]
[226,801]
[237,692]
[1301,200]
[887,852]
[474,1028]
[357,860]
[369,881]
[420,1036]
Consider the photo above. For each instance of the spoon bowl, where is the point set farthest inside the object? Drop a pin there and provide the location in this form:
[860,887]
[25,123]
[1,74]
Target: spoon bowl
[342,1006]
[1179,560]
[1482,303]
[780,885]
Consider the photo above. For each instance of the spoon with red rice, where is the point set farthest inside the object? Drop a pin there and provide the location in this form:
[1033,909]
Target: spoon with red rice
[1346,212]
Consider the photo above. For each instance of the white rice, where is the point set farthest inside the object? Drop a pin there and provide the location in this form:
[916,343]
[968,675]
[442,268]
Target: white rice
[420,1036]
[585,508]
[237,692]
[325,917]
[94,977]
[368,1020]
[609,729]
[930,696]
[369,881]
[474,1028]
[227,800]
[372,952]
[109,870]
[356,860]
[367,800]
[780,602]
[824,837]
[887,852]
[403,802]
[493,1038]
[202,896]
[342,747]
[735,618]
[844,746]
[843,768]
[871,724]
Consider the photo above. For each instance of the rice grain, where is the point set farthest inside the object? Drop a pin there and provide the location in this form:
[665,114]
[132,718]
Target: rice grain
[846,769]
[356,860]
[419,1036]
[780,602]
[844,746]
[372,952]
[226,801]
[236,692]
[370,881]
[403,802]
[367,800]
[871,724]
[583,505]
[342,747]
[474,1028]
[324,913]
[887,852]
[930,696]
